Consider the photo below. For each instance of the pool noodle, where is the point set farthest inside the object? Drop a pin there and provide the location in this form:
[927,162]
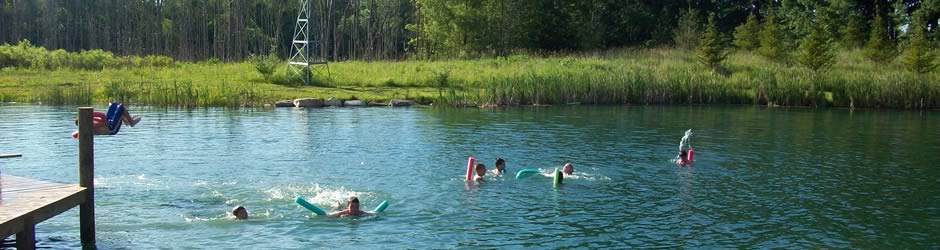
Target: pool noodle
[557,178]
[690,154]
[470,168]
[309,206]
[382,206]
[524,172]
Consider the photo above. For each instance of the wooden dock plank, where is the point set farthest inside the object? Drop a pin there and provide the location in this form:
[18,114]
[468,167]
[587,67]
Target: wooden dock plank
[26,201]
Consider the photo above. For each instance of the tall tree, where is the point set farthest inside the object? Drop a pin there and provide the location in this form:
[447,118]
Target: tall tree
[815,50]
[746,36]
[919,56]
[853,35]
[711,51]
[771,45]
[688,32]
[880,47]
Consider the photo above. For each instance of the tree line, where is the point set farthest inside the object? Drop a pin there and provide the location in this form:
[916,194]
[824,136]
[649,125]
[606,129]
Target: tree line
[232,30]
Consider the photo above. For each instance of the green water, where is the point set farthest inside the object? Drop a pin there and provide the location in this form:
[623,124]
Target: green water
[764,178]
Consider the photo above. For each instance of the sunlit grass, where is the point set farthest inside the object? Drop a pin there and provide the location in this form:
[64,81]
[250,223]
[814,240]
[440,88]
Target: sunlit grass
[625,76]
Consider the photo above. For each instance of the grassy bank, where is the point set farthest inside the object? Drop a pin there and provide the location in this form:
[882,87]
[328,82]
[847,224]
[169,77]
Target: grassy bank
[641,76]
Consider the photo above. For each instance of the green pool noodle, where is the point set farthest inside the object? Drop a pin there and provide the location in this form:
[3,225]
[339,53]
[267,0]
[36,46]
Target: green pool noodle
[557,178]
[308,206]
[382,206]
[525,172]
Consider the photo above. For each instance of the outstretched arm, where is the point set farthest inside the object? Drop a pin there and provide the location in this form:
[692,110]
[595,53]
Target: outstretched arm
[339,213]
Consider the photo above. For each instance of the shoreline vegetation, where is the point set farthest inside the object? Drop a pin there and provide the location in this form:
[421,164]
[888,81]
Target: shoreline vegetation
[634,76]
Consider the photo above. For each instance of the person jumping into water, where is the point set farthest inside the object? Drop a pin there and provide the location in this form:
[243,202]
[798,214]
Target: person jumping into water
[110,123]
[685,155]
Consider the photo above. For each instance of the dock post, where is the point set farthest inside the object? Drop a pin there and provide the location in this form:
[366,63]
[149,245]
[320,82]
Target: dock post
[86,176]
[26,239]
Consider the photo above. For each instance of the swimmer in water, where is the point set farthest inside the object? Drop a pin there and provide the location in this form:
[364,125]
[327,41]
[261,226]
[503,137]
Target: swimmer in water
[352,209]
[685,150]
[568,169]
[500,167]
[683,158]
[481,171]
[240,213]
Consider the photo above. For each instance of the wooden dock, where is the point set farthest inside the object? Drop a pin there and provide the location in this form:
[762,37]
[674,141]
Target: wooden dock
[25,202]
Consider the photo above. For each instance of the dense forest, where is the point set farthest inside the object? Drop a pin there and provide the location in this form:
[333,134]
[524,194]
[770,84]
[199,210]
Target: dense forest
[231,30]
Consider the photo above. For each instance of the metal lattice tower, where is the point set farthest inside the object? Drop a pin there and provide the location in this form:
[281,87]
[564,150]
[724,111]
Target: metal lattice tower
[303,54]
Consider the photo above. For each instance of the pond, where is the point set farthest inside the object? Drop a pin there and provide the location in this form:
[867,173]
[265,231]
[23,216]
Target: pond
[764,177]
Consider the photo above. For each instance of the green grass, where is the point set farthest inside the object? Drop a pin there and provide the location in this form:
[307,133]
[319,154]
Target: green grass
[627,76]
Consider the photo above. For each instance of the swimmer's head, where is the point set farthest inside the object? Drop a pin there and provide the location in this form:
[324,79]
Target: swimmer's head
[480,169]
[353,204]
[500,164]
[568,168]
[683,154]
[240,213]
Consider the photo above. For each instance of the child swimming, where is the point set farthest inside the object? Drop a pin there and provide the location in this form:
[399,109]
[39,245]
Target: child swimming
[480,169]
[500,167]
[685,155]
[352,209]
[240,213]
[568,169]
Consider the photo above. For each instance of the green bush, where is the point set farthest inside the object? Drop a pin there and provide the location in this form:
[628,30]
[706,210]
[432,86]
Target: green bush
[815,50]
[880,48]
[746,35]
[158,61]
[688,31]
[918,56]
[711,52]
[771,46]
[264,64]
[25,55]
[287,78]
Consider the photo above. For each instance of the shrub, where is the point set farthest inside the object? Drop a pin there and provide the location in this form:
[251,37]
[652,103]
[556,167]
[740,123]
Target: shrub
[287,78]
[816,50]
[770,45]
[746,35]
[264,64]
[159,61]
[687,33]
[918,57]
[95,60]
[880,47]
[853,35]
[711,52]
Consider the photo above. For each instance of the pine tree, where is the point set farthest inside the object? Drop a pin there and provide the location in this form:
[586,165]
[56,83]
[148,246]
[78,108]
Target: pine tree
[853,35]
[918,56]
[711,51]
[688,31]
[815,50]
[746,35]
[771,45]
[880,47]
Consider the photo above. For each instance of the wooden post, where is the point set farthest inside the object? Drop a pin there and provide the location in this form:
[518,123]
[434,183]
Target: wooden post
[26,239]
[86,176]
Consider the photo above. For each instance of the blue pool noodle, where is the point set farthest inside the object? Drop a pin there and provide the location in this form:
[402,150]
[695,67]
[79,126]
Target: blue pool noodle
[309,206]
[381,206]
[523,172]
